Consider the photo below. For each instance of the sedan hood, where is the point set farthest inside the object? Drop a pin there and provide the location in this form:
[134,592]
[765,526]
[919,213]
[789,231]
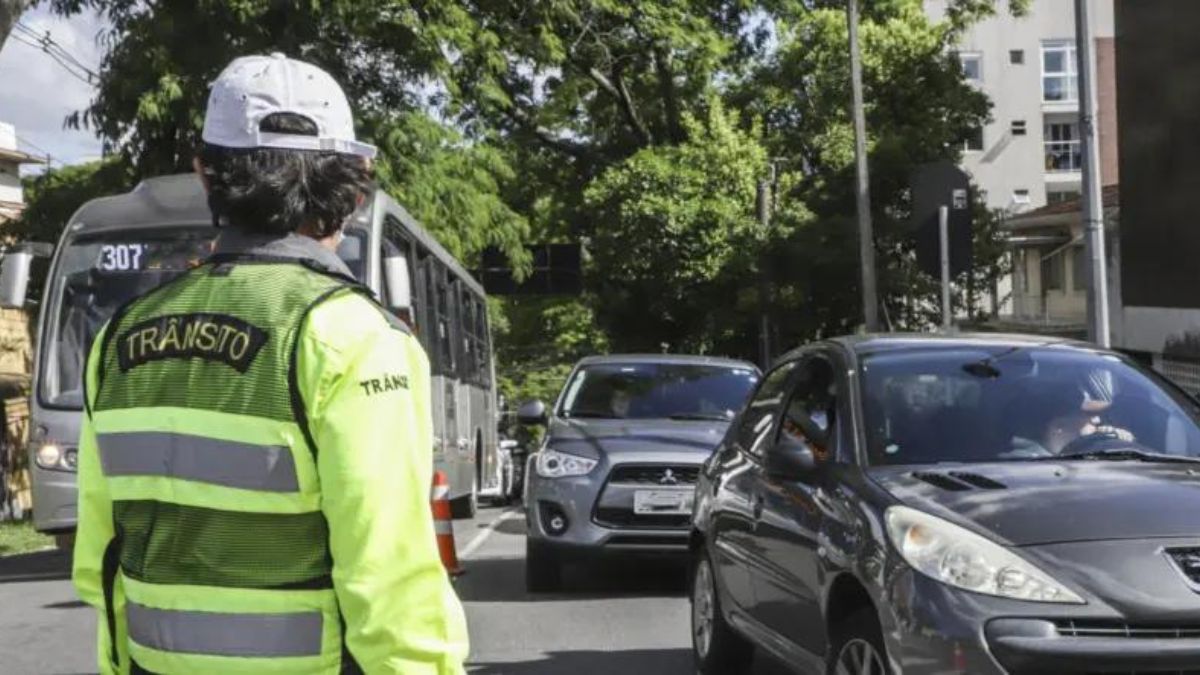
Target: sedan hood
[592,438]
[1027,503]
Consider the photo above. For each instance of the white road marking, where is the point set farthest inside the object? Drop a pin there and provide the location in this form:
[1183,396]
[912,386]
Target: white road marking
[482,537]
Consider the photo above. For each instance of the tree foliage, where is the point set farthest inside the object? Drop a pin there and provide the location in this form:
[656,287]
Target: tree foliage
[641,129]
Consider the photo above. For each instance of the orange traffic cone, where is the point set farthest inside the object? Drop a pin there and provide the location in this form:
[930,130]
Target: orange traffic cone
[442,523]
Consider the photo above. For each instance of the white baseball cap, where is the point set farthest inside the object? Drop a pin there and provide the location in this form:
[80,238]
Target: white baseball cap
[253,87]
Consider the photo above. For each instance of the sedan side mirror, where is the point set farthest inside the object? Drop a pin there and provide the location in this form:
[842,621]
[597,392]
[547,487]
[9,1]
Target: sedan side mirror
[790,459]
[532,413]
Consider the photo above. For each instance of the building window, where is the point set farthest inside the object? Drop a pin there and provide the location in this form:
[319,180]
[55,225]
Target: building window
[972,67]
[1018,127]
[974,140]
[1060,196]
[1063,151]
[1079,268]
[1052,270]
[1059,79]
[1016,57]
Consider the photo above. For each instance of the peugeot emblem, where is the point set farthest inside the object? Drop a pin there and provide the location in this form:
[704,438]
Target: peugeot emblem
[668,478]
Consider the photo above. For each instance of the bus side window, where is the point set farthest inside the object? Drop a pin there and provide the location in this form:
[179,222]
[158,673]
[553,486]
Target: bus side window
[430,313]
[396,243]
[445,322]
[484,346]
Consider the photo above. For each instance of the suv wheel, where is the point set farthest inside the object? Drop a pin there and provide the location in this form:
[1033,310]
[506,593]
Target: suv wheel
[718,650]
[543,568]
[858,646]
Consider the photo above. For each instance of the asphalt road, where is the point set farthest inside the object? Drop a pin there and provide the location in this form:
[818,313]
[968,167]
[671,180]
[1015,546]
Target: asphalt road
[625,618]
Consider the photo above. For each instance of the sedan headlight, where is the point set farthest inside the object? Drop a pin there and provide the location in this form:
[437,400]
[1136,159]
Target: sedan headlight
[963,559]
[555,464]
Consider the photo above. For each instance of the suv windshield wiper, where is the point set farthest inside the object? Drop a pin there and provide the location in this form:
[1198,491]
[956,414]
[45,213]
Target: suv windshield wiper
[1125,454]
[716,417]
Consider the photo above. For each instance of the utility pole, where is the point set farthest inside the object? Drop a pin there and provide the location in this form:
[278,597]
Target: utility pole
[1093,200]
[866,237]
[763,205]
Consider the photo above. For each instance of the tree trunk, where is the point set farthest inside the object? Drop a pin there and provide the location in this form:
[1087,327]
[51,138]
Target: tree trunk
[10,11]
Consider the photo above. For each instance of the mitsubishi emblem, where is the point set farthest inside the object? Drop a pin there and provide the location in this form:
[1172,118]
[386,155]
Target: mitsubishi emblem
[668,478]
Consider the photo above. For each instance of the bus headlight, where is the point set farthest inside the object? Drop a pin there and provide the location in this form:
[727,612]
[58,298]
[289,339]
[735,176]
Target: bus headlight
[54,457]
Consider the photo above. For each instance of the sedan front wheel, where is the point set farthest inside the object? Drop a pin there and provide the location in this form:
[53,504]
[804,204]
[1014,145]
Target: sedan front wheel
[718,650]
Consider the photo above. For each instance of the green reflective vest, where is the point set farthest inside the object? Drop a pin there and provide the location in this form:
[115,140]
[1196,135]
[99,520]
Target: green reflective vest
[256,433]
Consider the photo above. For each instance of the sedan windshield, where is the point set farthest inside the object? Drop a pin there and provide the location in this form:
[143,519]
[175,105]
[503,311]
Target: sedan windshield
[1020,403]
[658,390]
[97,273]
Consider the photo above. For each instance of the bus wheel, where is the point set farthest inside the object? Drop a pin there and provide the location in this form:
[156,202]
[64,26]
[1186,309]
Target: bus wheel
[466,506]
[65,541]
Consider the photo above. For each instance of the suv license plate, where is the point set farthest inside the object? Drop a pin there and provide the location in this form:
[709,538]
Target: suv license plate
[670,502]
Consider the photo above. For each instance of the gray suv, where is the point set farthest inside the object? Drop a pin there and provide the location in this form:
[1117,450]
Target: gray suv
[622,453]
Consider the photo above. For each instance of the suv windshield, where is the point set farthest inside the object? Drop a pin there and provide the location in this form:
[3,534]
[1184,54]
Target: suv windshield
[1018,403]
[658,390]
[97,273]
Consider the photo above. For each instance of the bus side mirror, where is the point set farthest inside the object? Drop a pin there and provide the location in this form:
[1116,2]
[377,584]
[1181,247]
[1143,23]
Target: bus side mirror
[398,281]
[14,277]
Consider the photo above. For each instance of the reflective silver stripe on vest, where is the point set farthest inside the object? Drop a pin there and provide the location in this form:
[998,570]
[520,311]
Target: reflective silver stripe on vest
[222,634]
[268,468]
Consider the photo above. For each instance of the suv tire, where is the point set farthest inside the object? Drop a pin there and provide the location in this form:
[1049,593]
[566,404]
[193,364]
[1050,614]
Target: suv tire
[717,648]
[858,640]
[543,568]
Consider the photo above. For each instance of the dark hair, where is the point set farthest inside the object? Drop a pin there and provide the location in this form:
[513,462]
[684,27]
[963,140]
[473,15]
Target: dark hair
[277,191]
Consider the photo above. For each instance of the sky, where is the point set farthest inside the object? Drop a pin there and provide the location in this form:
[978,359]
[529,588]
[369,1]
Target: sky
[37,94]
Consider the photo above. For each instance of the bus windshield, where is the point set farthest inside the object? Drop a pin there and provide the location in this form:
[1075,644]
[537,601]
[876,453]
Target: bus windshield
[97,273]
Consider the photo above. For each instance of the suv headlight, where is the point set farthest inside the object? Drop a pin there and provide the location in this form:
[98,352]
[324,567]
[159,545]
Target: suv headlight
[555,464]
[963,559]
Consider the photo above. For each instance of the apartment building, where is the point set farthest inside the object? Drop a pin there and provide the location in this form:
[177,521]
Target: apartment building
[11,158]
[1029,154]
[1027,159]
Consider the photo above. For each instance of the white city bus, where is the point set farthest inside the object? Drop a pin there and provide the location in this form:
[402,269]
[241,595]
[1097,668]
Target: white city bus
[116,248]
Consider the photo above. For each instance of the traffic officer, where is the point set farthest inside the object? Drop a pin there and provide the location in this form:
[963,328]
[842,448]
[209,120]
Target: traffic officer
[256,457]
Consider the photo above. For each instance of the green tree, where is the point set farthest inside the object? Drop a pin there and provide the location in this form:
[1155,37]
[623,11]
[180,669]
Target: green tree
[154,86]
[52,197]
[676,232]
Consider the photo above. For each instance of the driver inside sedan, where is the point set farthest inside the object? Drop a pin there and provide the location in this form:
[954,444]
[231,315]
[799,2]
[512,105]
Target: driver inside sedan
[1082,411]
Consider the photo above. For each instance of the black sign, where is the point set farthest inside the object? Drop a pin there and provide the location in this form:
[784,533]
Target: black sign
[933,186]
[1159,155]
[557,270]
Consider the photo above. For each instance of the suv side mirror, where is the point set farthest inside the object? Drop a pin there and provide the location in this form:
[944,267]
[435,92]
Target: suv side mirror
[398,282]
[14,276]
[790,459]
[532,413]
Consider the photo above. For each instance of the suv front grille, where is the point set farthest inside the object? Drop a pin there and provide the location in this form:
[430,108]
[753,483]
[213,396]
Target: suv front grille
[617,512]
[626,518]
[1119,629]
[636,474]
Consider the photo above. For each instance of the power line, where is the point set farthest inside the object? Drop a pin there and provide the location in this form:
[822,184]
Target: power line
[55,51]
[48,40]
[66,66]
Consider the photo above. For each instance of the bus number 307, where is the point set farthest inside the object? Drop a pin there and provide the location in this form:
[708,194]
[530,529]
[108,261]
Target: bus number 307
[121,257]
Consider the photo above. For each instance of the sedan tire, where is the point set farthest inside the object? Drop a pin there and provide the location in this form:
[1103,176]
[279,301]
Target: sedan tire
[718,650]
[858,646]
